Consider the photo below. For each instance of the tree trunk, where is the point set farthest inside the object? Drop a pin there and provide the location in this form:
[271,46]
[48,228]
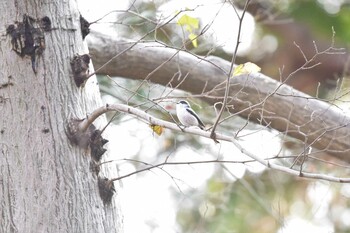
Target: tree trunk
[45,181]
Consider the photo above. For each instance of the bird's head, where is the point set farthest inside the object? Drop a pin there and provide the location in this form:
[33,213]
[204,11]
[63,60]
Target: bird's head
[184,104]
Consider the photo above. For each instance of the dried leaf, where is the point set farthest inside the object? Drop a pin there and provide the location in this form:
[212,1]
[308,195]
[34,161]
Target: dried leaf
[157,129]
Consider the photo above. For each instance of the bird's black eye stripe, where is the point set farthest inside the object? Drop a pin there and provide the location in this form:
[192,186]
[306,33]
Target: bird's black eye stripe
[185,103]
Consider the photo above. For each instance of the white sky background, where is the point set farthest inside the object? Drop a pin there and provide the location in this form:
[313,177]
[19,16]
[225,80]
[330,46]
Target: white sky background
[147,199]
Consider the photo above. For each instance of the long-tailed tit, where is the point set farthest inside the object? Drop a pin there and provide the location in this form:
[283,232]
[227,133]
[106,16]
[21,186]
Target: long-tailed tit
[187,116]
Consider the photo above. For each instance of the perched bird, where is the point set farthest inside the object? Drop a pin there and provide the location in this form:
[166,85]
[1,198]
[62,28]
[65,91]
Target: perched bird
[187,116]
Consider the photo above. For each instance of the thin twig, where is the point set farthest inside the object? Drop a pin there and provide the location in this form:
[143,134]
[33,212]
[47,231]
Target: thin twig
[191,130]
[223,107]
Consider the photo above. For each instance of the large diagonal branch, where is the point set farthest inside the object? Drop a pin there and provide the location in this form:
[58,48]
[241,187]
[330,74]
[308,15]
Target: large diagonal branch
[257,97]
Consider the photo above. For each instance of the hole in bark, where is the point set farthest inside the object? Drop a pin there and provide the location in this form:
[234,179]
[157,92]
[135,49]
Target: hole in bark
[45,130]
[8,83]
[96,145]
[27,37]
[106,188]
[84,27]
[80,68]
[4,85]
[95,167]
[46,23]
[3,99]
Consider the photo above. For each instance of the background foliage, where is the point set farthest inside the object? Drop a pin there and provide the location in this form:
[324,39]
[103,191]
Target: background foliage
[257,200]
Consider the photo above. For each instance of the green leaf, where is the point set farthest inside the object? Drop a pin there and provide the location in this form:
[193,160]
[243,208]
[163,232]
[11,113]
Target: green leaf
[188,22]
[193,38]
[238,70]
[246,68]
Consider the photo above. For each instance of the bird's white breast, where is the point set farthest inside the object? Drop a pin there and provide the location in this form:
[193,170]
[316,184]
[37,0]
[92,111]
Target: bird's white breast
[185,117]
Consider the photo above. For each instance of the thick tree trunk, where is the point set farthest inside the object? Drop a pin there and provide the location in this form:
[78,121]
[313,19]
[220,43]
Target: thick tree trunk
[257,98]
[45,181]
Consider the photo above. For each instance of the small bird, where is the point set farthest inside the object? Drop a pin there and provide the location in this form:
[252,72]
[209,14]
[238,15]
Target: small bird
[187,116]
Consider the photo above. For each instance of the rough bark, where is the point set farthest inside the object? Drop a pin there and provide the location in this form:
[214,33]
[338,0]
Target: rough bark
[45,181]
[257,98]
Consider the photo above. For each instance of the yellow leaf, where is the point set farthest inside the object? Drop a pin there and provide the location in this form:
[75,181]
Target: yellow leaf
[157,129]
[246,68]
[189,22]
[238,70]
[193,38]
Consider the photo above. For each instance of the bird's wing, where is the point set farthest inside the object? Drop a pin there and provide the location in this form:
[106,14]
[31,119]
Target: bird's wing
[201,125]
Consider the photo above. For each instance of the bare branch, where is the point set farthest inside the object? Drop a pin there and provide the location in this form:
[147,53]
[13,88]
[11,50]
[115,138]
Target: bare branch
[288,170]
[233,60]
[195,131]
[256,97]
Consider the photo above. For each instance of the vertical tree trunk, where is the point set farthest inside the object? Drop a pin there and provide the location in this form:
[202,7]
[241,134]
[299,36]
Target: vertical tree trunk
[45,182]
